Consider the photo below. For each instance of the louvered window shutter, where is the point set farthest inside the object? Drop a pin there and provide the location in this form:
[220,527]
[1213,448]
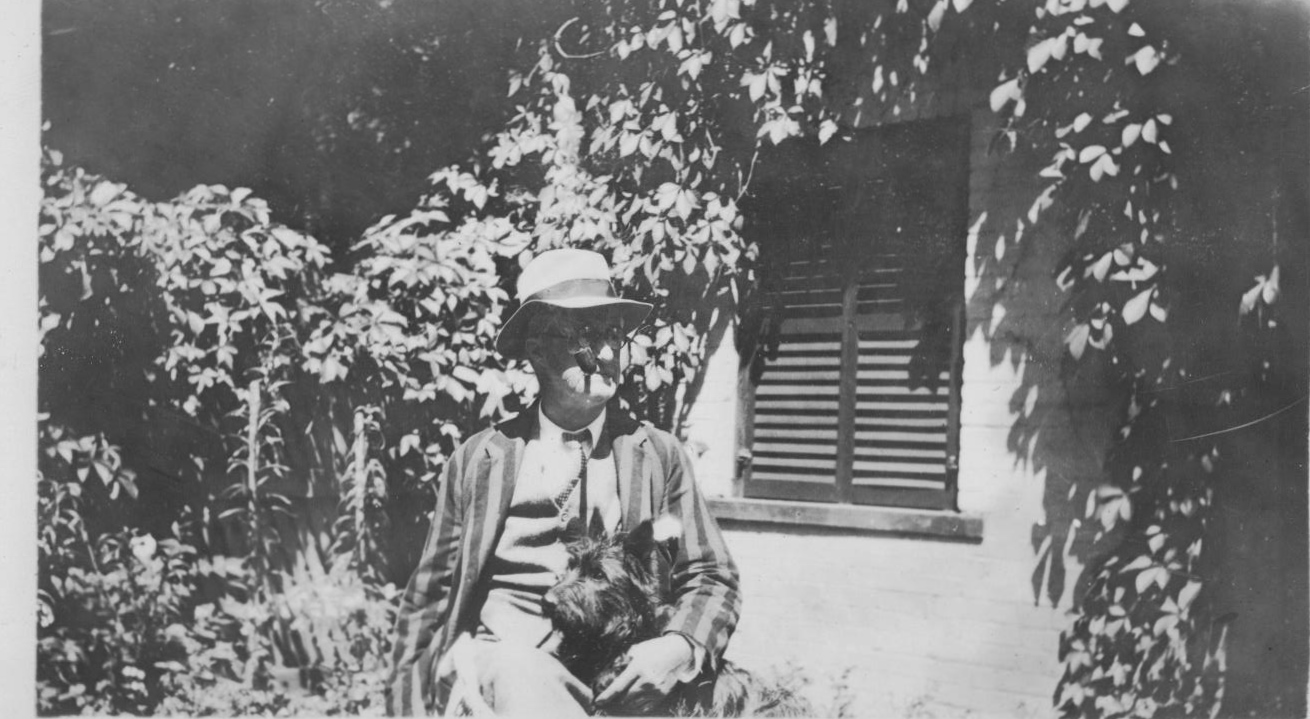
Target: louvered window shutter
[857,394]
[902,426]
[798,398]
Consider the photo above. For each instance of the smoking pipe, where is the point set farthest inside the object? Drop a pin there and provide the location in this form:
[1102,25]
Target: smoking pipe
[586,360]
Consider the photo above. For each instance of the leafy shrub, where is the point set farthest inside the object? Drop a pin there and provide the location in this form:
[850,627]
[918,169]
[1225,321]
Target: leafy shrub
[128,626]
[111,626]
[158,318]
[410,330]
[319,647]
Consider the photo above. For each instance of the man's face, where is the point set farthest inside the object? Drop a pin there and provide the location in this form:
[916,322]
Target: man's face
[577,355]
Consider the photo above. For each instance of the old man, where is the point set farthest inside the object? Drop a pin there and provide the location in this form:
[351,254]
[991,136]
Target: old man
[511,494]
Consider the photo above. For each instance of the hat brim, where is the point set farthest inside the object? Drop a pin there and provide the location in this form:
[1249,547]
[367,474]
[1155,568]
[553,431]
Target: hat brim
[509,343]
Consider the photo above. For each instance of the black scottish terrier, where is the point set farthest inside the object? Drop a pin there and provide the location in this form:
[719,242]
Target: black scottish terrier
[616,593]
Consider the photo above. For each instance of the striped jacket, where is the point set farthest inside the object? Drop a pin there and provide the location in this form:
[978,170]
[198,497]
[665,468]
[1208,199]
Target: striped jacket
[444,597]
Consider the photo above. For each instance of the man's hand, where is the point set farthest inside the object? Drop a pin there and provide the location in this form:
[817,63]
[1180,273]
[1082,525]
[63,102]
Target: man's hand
[653,669]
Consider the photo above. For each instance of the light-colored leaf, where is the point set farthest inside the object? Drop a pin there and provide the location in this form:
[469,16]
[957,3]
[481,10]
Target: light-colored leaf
[1104,165]
[826,130]
[738,34]
[1101,267]
[1089,153]
[1059,46]
[1002,94]
[1146,59]
[1043,201]
[1165,623]
[1269,293]
[1248,299]
[1141,562]
[103,192]
[756,85]
[628,143]
[1188,594]
[1096,172]
[1038,54]
[1065,279]
[1143,580]
[675,39]
[1135,308]
[465,374]
[937,13]
[1077,340]
[1130,134]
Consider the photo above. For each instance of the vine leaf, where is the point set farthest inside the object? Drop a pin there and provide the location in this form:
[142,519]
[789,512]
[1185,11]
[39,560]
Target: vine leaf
[1136,308]
[1188,594]
[1077,340]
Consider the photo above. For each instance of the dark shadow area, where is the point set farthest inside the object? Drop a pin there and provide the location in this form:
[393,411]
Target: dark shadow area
[335,111]
[1239,94]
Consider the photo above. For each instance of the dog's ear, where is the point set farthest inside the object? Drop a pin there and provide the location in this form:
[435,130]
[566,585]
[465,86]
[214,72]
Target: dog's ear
[652,547]
[640,542]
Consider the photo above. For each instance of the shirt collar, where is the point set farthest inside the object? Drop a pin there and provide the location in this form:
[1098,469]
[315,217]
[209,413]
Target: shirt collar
[554,434]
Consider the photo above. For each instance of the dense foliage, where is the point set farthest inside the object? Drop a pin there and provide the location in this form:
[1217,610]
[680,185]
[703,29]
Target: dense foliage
[189,313]
[202,325]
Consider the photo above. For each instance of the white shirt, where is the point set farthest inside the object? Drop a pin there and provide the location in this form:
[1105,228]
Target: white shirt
[544,457]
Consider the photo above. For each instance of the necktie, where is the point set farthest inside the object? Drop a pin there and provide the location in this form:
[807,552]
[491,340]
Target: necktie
[583,442]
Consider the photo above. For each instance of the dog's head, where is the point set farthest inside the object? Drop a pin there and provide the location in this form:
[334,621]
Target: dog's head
[612,595]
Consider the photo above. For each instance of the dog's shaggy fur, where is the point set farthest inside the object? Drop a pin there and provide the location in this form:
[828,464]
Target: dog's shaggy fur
[616,593]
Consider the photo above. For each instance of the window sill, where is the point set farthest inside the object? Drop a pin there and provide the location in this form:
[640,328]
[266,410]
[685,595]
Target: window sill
[927,523]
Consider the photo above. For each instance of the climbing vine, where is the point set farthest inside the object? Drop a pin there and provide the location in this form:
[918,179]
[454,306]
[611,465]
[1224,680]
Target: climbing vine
[628,138]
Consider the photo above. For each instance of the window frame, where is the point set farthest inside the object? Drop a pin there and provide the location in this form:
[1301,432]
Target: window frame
[843,490]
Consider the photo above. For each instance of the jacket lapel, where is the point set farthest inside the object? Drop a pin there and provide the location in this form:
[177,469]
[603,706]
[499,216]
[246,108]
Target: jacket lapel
[633,466]
[503,457]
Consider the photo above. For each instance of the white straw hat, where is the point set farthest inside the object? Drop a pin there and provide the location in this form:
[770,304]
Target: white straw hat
[568,279]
